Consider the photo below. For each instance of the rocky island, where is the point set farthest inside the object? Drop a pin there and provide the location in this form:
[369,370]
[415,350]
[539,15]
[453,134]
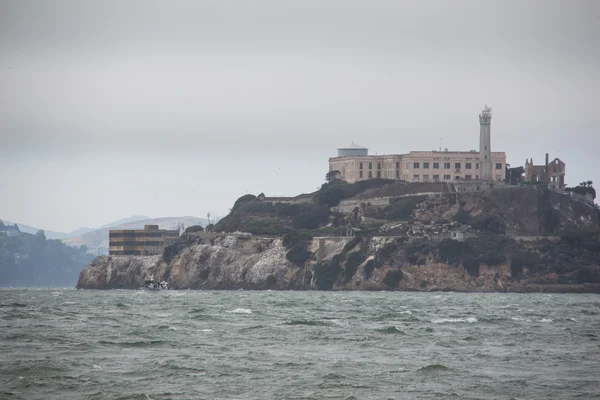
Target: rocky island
[382,235]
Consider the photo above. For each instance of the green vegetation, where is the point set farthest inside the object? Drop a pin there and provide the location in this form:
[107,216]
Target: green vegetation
[194,228]
[333,192]
[299,253]
[249,216]
[402,208]
[392,278]
[583,188]
[32,260]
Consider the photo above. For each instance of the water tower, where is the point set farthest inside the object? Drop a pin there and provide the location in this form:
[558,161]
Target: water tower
[352,150]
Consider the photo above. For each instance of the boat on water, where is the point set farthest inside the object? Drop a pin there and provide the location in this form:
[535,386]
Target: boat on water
[153,285]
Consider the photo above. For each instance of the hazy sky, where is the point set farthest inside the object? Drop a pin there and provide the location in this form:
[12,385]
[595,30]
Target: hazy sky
[165,108]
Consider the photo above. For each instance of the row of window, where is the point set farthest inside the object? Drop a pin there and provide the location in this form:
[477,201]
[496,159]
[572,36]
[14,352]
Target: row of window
[417,177]
[457,165]
[436,178]
[360,165]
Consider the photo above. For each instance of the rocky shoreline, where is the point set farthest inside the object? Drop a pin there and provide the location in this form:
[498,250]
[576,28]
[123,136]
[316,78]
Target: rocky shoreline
[256,263]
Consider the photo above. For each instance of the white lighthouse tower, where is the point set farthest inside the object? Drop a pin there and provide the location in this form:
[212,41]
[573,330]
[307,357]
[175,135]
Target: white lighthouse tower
[485,144]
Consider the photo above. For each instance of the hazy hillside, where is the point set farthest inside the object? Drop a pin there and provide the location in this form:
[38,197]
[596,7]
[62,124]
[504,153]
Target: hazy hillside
[33,230]
[33,260]
[97,240]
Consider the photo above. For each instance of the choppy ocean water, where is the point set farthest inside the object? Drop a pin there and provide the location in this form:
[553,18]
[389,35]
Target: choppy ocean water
[67,344]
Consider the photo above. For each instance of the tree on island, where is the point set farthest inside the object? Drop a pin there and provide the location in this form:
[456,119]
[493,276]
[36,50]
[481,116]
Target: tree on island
[583,188]
[333,176]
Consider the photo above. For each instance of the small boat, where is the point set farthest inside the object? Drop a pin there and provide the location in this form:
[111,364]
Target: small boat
[154,285]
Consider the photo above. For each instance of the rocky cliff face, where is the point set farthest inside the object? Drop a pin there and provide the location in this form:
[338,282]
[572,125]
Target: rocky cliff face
[504,239]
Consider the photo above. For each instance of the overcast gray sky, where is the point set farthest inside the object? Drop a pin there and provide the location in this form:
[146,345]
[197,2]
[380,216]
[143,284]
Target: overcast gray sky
[164,108]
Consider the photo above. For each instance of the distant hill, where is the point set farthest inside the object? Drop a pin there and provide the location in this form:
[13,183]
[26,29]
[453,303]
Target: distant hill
[33,230]
[97,240]
[34,261]
[133,218]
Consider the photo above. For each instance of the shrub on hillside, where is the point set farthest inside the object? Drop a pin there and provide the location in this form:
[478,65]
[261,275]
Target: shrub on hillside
[471,265]
[264,227]
[402,208]
[452,251]
[243,199]
[299,253]
[417,250]
[392,278]
[311,218]
[488,223]
[462,216]
[194,228]
[332,193]
[293,237]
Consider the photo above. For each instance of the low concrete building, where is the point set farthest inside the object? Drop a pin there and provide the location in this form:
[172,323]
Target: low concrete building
[148,241]
[551,173]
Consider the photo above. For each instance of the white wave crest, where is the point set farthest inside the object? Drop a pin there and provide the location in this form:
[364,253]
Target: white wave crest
[240,311]
[406,312]
[546,320]
[172,328]
[469,320]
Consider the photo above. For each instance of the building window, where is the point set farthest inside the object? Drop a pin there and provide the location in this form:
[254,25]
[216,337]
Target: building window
[436,165]
[397,173]
[379,174]
[416,177]
[360,174]
[499,178]
[468,177]
[359,165]
[370,165]
[426,165]
[446,177]
[476,176]
[457,165]
[416,165]
[468,165]
[457,178]
[425,178]
[477,166]
[378,165]
[436,178]
[397,165]
[498,165]
[446,165]
[370,174]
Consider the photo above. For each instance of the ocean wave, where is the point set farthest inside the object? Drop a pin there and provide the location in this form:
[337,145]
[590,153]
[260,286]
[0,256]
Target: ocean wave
[546,320]
[141,343]
[391,330]
[469,320]
[240,311]
[304,322]
[433,368]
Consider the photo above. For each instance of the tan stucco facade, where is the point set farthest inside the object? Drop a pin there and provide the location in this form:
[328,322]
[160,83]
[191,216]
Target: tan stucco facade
[418,166]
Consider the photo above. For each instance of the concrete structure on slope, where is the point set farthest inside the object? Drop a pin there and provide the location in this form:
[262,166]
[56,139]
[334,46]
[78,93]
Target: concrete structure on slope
[355,163]
[551,173]
[140,242]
